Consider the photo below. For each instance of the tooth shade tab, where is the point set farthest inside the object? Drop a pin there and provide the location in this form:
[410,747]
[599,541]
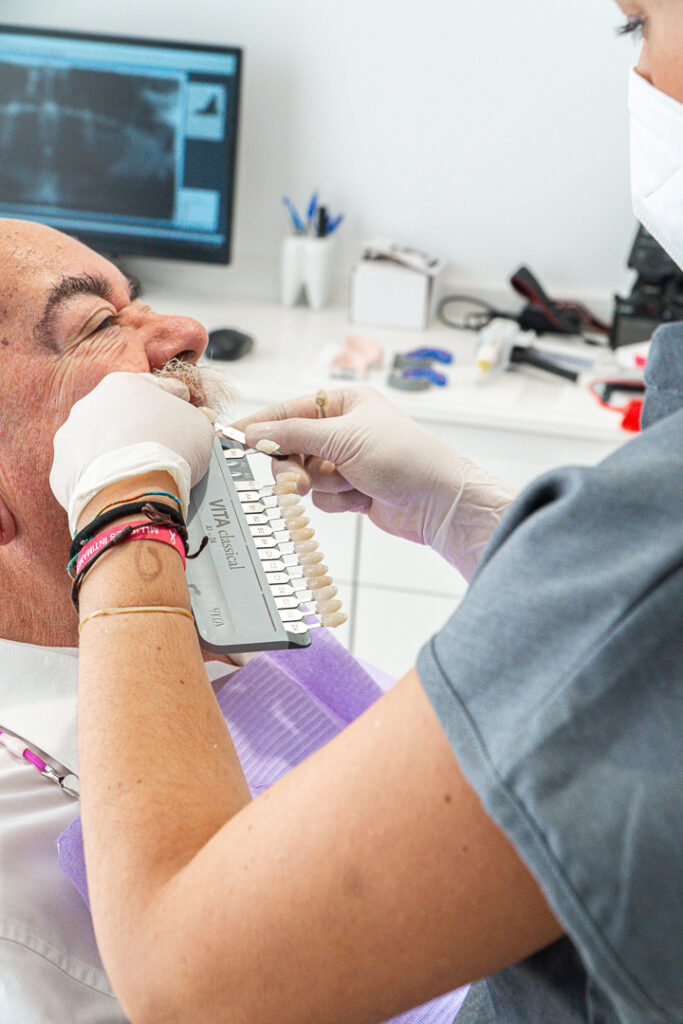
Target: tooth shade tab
[289,615]
[267,447]
[322,581]
[301,627]
[297,523]
[304,547]
[326,593]
[288,487]
[333,620]
[326,607]
[292,512]
[313,572]
[312,558]
[287,500]
[306,534]
[288,477]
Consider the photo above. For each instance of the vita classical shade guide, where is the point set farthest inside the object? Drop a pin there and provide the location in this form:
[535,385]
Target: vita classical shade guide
[260,583]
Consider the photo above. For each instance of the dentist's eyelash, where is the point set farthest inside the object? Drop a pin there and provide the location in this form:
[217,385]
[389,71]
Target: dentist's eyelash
[632,26]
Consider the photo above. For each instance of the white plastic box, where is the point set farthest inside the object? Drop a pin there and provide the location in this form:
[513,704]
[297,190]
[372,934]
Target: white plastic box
[394,286]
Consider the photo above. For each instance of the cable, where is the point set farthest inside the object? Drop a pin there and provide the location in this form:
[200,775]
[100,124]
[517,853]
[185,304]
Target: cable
[475,314]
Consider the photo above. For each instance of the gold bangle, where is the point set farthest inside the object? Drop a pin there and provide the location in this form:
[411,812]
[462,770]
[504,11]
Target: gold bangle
[168,609]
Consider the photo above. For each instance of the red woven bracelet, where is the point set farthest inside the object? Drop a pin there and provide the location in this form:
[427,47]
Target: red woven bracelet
[143,530]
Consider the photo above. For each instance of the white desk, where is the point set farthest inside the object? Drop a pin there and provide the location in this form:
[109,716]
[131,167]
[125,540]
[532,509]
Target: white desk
[518,427]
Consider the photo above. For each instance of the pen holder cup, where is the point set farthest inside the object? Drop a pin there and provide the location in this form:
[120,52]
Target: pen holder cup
[307,270]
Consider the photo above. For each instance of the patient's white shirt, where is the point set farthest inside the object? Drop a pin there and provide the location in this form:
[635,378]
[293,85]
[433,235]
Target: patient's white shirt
[50,969]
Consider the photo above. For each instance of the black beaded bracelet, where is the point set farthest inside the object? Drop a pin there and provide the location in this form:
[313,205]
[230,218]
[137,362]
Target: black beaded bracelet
[112,514]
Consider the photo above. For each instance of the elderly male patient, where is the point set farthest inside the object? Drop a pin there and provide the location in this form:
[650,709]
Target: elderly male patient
[67,318]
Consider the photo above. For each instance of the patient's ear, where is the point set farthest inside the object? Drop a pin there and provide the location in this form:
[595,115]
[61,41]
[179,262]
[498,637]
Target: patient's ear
[8,526]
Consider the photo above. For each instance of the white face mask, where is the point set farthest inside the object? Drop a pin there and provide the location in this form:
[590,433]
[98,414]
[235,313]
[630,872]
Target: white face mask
[657,163]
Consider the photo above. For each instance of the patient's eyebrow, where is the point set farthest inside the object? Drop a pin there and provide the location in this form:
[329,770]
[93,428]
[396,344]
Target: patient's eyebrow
[66,288]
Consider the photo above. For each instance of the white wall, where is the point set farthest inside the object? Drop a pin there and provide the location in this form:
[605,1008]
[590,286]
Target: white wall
[492,132]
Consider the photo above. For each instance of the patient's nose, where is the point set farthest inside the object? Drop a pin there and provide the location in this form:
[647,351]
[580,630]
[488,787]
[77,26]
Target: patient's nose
[173,336]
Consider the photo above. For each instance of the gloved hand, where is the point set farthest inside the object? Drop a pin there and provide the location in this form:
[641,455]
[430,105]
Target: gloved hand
[130,424]
[368,456]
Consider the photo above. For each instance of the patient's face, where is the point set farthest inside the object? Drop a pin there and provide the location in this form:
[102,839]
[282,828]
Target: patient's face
[67,318]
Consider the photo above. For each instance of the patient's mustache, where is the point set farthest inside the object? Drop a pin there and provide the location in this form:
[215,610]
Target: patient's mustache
[206,385]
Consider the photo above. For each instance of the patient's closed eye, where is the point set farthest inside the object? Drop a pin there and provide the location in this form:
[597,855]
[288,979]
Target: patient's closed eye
[109,321]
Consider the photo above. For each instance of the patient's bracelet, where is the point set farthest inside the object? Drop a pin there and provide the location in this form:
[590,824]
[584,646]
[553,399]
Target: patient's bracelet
[103,542]
[139,497]
[127,508]
[163,608]
[142,530]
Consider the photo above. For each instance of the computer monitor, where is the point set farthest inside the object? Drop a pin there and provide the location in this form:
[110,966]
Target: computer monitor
[128,144]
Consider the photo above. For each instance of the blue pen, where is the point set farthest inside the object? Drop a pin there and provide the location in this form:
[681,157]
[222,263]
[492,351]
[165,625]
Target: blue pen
[333,224]
[312,207]
[296,219]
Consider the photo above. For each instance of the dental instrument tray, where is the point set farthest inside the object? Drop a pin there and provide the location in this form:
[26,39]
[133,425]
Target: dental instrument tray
[258,584]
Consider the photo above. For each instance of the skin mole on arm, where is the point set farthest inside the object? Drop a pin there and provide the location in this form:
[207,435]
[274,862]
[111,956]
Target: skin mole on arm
[353,882]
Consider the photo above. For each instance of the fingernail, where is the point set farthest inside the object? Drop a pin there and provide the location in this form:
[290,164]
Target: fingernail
[173,386]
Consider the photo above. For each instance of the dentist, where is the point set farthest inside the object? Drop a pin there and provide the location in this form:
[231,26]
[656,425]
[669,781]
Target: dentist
[509,814]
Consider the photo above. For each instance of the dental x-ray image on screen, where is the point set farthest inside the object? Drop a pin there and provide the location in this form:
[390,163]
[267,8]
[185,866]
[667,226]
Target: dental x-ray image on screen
[89,140]
[128,144]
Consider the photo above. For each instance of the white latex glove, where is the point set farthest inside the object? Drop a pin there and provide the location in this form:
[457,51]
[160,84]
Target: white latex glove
[368,456]
[130,424]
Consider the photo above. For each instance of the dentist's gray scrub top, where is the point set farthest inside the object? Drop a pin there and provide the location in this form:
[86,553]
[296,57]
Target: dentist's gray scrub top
[559,683]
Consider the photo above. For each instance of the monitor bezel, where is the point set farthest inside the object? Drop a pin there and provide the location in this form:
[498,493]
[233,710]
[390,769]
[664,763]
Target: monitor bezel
[112,245]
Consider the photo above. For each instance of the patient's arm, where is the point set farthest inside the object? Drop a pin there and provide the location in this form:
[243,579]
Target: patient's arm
[366,881]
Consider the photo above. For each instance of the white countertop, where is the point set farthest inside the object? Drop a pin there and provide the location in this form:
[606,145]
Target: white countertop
[293,348]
